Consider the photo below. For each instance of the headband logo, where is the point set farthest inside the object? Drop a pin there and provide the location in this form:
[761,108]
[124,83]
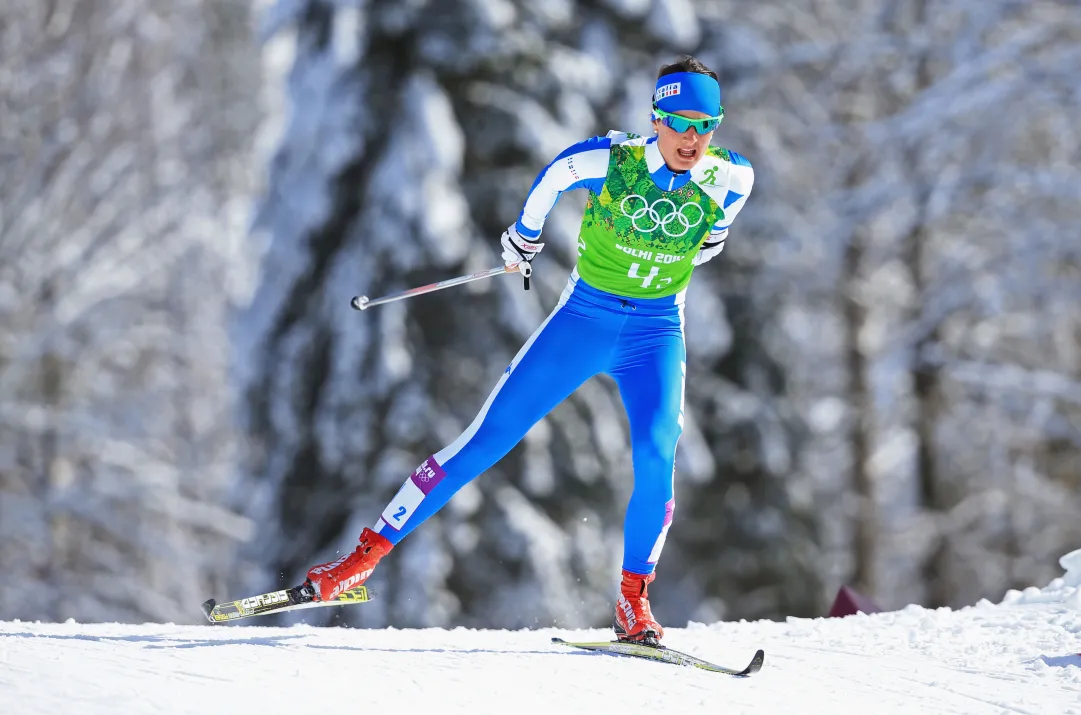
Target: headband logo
[668,90]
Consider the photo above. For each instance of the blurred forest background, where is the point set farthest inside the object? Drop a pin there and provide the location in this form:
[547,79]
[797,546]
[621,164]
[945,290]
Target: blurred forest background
[884,383]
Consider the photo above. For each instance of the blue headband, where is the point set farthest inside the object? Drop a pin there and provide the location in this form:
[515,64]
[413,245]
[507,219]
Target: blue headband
[688,91]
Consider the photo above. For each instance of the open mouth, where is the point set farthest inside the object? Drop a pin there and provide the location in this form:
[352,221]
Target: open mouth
[687,153]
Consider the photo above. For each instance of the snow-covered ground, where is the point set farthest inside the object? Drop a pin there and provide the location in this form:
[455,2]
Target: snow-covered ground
[1019,656]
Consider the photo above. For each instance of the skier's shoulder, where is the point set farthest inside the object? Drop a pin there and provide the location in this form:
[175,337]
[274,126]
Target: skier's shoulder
[721,155]
[627,146]
[601,146]
[593,147]
[626,139]
[721,164]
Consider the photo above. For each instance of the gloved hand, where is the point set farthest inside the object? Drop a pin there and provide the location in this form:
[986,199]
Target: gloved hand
[713,245]
[518,249]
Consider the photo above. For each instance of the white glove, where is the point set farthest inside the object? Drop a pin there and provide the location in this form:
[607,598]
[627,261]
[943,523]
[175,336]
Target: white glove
[519,250]
[713,245]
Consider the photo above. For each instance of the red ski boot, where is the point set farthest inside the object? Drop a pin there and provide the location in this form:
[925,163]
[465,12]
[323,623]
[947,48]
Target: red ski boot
[634,621]
[351,570]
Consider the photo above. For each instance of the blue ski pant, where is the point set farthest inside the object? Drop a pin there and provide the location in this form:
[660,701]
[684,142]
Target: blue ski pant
[640,343]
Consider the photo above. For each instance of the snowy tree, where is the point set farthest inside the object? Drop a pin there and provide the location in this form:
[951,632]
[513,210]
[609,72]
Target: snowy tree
[920,297]
[967,180]
[124,171]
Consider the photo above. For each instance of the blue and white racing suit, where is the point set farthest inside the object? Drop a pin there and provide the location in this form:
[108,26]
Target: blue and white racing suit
[638,341]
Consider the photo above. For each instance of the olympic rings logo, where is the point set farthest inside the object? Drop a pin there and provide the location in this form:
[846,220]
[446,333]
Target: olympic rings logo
[657,217]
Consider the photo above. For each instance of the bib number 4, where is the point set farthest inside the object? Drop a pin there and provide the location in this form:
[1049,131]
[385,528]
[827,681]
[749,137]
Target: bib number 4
[646,279]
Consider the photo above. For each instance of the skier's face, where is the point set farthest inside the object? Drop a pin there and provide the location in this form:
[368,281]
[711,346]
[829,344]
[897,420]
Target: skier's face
[681,150]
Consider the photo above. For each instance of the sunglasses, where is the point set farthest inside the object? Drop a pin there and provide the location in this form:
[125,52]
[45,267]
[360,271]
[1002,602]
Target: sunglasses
[676,123]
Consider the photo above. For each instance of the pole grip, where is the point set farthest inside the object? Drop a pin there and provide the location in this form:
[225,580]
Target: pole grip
[526,270]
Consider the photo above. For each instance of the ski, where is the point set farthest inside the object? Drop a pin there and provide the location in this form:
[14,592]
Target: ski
[662,654]
[289,599]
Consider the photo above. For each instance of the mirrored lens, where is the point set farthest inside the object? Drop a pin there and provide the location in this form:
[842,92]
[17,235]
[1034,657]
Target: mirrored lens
[681,124]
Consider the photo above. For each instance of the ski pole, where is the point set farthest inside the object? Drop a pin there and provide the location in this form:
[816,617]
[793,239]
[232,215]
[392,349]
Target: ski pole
[362,302]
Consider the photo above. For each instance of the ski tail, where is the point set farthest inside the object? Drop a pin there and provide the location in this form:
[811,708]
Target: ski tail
[663,654]
[289,599]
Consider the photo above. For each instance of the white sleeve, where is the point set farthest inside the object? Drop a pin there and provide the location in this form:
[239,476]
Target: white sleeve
[584,165]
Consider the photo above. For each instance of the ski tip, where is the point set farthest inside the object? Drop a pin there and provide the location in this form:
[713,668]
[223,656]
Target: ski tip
[208,606]
[558,640]
[757,662]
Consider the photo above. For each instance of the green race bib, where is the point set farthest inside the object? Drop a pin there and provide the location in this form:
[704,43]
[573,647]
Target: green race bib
[637,240]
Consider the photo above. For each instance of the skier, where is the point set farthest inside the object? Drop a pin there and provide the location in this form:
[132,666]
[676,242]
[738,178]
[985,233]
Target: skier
[657,207]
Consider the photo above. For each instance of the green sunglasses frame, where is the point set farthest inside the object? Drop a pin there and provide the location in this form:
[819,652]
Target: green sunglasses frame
[686,123]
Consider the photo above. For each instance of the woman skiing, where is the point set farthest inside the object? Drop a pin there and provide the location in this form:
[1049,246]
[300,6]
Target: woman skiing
[657,207]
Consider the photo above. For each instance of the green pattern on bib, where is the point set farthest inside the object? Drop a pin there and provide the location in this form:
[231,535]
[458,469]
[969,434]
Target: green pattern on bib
[637,240]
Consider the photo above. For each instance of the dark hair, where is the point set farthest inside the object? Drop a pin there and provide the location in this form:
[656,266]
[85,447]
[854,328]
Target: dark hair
[686,63]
